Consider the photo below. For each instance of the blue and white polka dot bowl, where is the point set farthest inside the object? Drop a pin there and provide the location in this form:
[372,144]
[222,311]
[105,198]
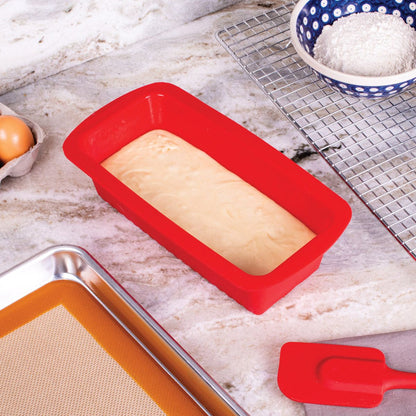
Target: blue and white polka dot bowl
[307,21]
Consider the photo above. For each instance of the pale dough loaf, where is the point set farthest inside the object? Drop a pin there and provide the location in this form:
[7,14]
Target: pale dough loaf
[208,201]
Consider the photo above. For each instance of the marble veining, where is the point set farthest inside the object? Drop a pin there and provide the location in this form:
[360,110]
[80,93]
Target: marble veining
[365,284]
[40,38]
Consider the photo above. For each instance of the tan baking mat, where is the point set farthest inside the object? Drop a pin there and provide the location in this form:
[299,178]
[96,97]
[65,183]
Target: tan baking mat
[399,349]
[63,353]
[53,366]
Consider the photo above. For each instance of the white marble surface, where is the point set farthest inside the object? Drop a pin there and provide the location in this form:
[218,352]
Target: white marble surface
[41,38]
[366,280]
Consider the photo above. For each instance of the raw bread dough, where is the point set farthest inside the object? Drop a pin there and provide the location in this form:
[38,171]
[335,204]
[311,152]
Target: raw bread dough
[208,201]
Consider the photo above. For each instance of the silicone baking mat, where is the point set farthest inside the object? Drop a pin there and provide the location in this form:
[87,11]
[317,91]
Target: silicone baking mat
[368,142]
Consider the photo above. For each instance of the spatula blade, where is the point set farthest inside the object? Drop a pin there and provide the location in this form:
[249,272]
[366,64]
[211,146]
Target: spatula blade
[300,375]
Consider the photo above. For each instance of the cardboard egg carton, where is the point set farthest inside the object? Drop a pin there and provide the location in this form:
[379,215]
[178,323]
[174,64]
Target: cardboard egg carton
[23,164]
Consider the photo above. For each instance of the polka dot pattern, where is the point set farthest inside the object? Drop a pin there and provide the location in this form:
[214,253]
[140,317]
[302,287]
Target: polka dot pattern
[315,14]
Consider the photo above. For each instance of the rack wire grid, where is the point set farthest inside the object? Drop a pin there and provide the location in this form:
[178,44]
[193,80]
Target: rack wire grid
[368,142]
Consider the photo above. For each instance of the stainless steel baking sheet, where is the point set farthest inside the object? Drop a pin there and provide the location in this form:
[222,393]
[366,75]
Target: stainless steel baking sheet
[75,264]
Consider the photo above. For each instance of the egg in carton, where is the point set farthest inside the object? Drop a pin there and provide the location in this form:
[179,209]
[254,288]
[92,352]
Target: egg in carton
[23,164]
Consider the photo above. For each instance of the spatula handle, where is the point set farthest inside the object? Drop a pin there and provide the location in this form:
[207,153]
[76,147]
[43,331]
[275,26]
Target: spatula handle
[395,379]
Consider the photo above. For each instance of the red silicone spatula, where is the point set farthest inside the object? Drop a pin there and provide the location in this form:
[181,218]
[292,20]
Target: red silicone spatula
[338,375]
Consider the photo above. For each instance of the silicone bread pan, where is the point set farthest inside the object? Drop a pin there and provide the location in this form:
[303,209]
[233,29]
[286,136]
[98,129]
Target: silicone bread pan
[167,107]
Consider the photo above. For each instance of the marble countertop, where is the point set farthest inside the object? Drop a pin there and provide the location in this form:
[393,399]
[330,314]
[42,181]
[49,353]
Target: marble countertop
[40,39]
[365,284]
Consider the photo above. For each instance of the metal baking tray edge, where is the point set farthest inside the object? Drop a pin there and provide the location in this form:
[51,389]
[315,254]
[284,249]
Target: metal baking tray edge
[67,262]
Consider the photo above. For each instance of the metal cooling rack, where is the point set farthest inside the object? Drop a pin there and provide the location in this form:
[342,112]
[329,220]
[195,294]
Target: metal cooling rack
[371,144]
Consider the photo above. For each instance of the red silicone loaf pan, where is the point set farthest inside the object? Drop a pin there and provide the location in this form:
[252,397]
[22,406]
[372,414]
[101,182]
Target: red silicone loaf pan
[163,106]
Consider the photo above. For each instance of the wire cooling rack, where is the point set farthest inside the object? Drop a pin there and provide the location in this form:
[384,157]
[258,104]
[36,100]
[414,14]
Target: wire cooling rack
[370,143]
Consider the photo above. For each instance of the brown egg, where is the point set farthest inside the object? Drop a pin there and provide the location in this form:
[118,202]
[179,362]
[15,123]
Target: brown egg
[15,138]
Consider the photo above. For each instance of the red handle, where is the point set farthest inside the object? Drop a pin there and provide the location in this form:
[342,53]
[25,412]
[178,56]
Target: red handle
[394,379]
